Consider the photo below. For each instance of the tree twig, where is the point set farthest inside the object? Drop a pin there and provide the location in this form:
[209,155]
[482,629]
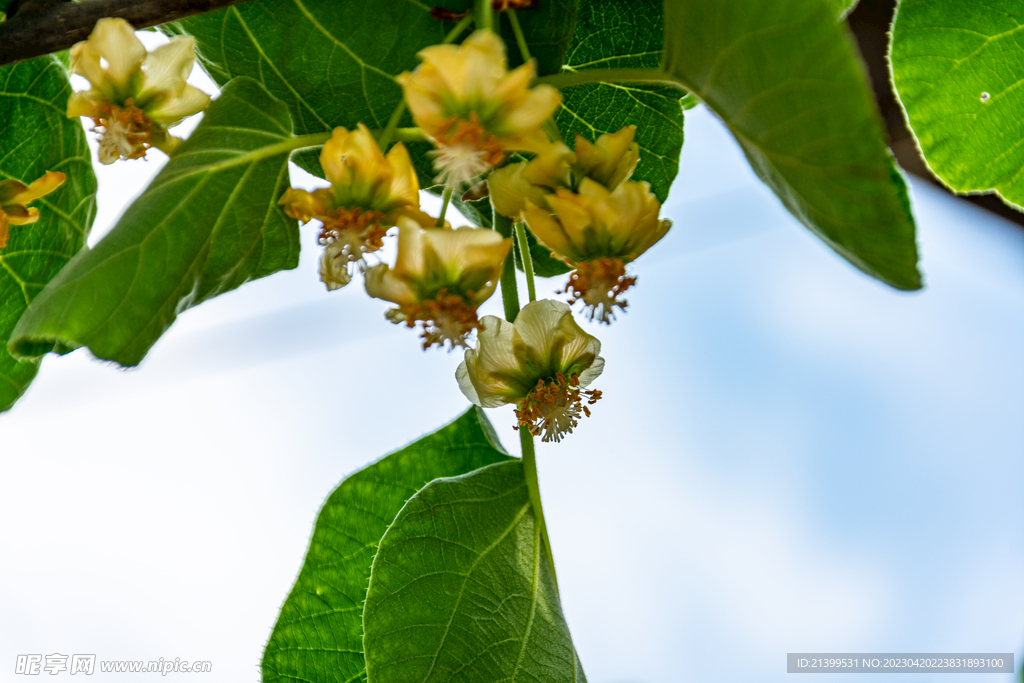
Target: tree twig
[52,28]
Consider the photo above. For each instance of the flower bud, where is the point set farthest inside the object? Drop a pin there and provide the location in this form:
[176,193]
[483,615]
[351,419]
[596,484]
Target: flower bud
[511,186]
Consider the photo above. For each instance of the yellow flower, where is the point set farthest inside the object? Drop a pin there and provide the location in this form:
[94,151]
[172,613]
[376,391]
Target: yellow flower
[512,185]
[135,96]
[439,279]
[369,192]
[541,363]
[610,161]
[466,100]
[14,197]
[599,231]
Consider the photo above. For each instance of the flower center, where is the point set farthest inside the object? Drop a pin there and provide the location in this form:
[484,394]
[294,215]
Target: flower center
[599,284]
[554,407]
[446,318]
[464,151]
[354,231]
[123,132]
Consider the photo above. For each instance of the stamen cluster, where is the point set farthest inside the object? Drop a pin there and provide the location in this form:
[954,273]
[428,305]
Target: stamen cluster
[446,318]
[554,407]
[599,284]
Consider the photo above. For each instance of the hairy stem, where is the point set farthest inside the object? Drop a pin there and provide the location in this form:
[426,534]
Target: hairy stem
[509,290]
[524,253]
[33,32]
[389,130]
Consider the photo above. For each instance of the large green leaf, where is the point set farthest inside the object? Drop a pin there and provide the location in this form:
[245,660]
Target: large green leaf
[36,136]
[206,224]
[958,69]
[624,34]
[318,637]
[334,63]
[786,78]
[461,590]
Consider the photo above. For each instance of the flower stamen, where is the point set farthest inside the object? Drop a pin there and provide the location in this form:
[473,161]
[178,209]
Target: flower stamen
[446,318]
[122,132]
[554,407]
[464,151]
[599,284]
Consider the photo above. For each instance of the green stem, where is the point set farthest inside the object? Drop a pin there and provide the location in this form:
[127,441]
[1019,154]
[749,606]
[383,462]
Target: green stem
[524,49]
[458,29]
[389,130]
[524,252]
[305,141]
[446,199]
[509,290]
[484,14]
[510,297]
[569,78]
[533,487]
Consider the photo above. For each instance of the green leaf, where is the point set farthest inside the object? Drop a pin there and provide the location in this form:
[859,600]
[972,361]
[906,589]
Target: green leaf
[624,34]
[36,136]
[786,78]
[843,7]
[957,67]
[334,64]
[208,223]
[318,637]
[461,589]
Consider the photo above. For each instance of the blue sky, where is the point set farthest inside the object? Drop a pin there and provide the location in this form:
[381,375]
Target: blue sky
[789,456]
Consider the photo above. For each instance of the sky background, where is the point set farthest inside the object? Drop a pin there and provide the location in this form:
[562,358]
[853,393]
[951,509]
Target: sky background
[789,456]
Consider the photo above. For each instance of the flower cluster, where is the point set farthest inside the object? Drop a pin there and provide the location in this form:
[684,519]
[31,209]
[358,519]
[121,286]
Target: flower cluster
[580,203]
[135,95]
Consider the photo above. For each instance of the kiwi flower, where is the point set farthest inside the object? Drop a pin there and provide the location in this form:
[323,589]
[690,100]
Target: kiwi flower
[599,232]
[136,95]
[369,192]
[439,279]
[474,109]
[541,363]
[610,161]
[15,196]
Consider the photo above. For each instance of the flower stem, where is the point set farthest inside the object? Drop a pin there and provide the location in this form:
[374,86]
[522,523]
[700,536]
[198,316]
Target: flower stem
[446,198]
[389,130]
[484,14]
[533,487]
[524,252]
[524,49]
[568,78]
[510,297]
[509,290]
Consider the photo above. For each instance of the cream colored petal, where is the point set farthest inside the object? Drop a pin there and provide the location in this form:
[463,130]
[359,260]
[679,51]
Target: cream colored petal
[411,260]
[540,103]
[334,272]
[548,231]
[9,189]
[537,326]
[509,190]
[465,383]
[164,142]
[115,40]
[573,350]
[574,215]
[612,159]
[593,372]
[85,61]
[302,205]
[20,215]
[467,248]
[83,103]
[44,186]
[551,167]
[405,186]
[496,373]
[381,283]
[191,101]
[332,158]
[166,68]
